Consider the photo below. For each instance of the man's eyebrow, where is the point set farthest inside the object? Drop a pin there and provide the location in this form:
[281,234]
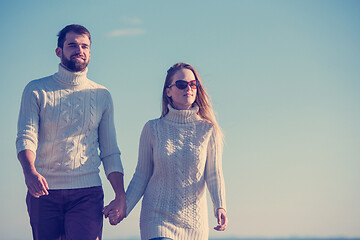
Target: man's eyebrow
[74,43]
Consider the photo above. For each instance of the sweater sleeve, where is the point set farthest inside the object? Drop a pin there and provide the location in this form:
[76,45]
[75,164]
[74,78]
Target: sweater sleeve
[144,169]
[28,121]
[109,151]
[213,173]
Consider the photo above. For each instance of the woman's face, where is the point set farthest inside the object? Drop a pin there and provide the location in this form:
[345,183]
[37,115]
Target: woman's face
[182,98]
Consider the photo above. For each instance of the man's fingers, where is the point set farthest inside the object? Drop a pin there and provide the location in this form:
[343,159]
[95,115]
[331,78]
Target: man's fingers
[115,211]
[115,217]
[39,189]
[113,214]
[34,193]
[106,211]
[36,184]
[45,186]
[115,221]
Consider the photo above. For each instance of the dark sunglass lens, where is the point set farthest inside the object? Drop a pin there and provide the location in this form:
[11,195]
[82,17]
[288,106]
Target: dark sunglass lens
[180,84]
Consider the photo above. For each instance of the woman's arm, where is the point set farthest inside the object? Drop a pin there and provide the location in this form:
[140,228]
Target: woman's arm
[215,180]
[144,169]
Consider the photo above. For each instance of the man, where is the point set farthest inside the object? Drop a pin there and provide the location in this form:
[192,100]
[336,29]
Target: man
[64,120]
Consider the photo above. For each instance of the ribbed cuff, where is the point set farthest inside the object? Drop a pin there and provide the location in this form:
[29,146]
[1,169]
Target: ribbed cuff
[112,163]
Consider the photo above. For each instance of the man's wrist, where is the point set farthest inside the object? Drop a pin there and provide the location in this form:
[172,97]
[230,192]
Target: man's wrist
[120,195]
[30,171]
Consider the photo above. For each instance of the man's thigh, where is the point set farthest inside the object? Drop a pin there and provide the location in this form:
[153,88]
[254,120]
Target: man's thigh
[46,216]
[84,217]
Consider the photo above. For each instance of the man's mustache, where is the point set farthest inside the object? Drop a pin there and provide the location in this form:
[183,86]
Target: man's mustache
[78,55]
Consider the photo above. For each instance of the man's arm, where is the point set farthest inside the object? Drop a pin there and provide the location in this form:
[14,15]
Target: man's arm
[116,210]
[35,182]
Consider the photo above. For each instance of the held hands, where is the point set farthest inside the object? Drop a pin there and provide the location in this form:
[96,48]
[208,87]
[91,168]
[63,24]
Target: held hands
[116,210]
[221,219]
[36,184]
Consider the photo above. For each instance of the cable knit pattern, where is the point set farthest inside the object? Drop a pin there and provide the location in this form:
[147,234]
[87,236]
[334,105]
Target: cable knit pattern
[177,157]
[65,118]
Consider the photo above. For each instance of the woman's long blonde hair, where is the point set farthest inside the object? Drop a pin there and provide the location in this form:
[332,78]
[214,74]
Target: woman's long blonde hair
[202,99]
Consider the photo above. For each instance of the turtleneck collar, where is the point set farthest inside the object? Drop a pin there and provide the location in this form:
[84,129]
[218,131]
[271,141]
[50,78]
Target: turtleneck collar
[182,116]
[71,78]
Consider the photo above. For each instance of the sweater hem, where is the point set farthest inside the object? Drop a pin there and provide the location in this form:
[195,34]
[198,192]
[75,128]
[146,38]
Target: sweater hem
[73,182]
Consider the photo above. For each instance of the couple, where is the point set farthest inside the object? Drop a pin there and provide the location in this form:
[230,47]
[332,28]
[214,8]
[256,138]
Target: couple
[66,118]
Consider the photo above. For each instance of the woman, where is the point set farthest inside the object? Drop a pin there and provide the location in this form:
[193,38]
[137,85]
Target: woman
[178,154]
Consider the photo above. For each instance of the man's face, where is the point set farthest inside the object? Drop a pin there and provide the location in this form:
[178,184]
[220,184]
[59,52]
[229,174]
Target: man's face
[75,54]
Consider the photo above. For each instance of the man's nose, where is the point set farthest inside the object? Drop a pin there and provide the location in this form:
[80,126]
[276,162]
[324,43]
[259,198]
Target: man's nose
[79,49]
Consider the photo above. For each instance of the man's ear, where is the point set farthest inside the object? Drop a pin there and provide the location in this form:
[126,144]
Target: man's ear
[58,52]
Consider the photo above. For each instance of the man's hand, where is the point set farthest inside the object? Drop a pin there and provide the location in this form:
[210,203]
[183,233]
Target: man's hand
[221,219]
[116,210]
[36,184]
[34,181]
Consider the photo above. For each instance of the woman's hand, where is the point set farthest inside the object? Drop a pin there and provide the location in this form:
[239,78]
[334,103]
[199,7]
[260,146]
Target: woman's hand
[221,219]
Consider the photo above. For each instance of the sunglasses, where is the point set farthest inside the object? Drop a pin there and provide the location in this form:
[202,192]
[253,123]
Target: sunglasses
[181,84]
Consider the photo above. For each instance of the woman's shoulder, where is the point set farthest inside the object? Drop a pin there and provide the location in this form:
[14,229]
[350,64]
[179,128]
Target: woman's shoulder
[205,123]
[151,123]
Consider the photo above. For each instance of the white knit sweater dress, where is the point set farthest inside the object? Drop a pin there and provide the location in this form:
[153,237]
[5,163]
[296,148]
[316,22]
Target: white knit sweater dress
[178,156]
[65,119]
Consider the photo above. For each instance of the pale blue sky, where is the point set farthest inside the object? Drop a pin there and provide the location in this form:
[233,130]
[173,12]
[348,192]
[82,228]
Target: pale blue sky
[284,78]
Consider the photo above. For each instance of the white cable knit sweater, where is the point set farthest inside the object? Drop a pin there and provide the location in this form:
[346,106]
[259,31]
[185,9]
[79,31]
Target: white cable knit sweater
[65,118]
[177,156]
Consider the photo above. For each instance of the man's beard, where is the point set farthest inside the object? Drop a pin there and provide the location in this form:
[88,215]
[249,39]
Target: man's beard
[73,65]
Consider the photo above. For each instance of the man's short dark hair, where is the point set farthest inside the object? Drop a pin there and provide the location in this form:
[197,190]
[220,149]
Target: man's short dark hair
[78,29]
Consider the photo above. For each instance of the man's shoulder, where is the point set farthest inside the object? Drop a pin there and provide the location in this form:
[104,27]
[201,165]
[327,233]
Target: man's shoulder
[96,85]
[39,83]
[100,91]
